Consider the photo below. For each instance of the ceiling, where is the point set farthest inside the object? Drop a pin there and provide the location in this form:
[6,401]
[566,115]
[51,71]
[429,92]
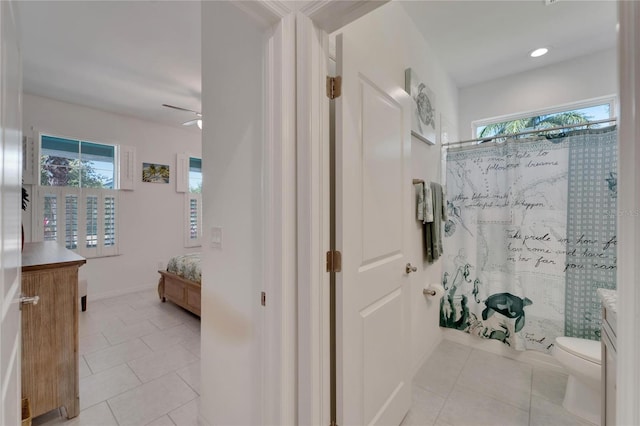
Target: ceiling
[478,41]
[130,57]
[127,57]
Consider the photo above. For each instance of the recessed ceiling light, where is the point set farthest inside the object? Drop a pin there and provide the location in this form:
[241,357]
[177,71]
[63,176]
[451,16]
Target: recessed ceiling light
[539,52]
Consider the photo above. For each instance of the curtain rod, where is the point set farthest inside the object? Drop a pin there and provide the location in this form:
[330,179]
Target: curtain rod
[568,126]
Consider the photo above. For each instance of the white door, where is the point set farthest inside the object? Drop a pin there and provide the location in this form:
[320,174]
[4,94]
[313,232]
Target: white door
[10,217]
[372,209]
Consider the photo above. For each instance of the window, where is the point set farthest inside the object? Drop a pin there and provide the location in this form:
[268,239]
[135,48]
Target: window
[195,175]
[193,232]
[77,202]
[555,117]
[65,162]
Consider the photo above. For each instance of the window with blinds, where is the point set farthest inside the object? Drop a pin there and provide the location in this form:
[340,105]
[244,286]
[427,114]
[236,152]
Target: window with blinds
[87,221]
[92,221]
[193,231]
[109,221]
[50,213]
[71,221]
[76,199]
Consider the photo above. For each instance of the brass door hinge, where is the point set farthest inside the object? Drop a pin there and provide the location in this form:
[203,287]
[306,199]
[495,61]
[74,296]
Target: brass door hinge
[334,87]
[263,298]
[334,261]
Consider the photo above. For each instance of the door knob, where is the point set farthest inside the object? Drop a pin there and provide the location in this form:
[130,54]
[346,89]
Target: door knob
[27,300]
[410,268]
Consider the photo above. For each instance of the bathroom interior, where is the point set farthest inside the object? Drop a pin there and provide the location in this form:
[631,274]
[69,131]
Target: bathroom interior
[515,322]
[529,259]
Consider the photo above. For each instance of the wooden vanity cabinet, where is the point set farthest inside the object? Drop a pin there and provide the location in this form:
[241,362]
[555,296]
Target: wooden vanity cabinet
[50,328]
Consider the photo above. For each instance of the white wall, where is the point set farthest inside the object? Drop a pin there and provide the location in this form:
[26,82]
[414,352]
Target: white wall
[578,79]
[232,276]
[151,216]
[399,45]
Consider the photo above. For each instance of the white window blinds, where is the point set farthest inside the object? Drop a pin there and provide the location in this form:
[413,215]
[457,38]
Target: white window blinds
[91,233]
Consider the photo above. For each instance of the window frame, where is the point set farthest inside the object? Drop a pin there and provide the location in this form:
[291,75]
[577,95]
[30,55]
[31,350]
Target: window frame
[82,194]
[602,100]
[190,197]
[116,157]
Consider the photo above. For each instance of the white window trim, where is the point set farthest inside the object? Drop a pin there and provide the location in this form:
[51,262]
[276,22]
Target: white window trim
[182,172]
[125,167]
[610,99]
[82,193]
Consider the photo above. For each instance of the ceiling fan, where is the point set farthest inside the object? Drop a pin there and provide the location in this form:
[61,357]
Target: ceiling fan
[197,121]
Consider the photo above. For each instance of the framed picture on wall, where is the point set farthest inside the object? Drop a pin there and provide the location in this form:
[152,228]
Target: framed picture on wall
[155,173]
[423,115]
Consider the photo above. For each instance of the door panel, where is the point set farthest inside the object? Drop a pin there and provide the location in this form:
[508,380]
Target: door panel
[381,371]
[372,199]
[10,215]
[381,173]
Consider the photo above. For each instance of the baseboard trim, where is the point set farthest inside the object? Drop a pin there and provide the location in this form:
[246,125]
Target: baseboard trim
[115,293]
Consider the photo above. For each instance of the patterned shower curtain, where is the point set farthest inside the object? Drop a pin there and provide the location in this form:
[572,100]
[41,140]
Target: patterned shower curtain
[531,235]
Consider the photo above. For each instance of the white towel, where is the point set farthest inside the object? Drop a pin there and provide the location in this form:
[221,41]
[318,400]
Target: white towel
[420,201]
[428,204]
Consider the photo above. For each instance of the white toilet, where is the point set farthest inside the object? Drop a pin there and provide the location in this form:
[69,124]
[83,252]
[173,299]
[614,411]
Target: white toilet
[582,359]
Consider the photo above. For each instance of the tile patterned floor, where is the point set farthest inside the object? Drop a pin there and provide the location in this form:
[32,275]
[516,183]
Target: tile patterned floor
[140,365]
[460,386]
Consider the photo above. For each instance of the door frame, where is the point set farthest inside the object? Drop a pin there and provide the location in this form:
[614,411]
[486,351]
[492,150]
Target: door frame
[10,214]
[628,277]
[314,22]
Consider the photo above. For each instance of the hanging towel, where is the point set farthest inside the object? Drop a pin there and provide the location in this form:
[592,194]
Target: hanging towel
[436,189]
[428,203]
[444,204]
[420,201]
[424,202]
[433,229]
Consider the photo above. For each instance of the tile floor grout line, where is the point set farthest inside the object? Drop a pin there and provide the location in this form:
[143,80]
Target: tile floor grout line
[531,397]
[446,399]
[88,366]
[135,374]
[188,402]
[158,418]
[183,379]
[113,396]
[112,412]
[460,372]
[146,344]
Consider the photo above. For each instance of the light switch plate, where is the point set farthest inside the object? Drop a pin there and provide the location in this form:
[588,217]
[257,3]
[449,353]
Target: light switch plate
[216,237]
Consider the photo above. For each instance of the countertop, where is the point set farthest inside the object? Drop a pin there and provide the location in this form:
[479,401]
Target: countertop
[48,255]
[609,299]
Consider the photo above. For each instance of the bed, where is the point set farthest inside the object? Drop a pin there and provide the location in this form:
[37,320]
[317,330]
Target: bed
[180,283]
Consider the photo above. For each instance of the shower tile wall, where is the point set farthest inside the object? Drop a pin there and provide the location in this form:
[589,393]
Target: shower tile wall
[460,386]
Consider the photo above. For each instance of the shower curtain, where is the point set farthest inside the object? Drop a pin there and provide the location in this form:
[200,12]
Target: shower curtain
[530,236]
